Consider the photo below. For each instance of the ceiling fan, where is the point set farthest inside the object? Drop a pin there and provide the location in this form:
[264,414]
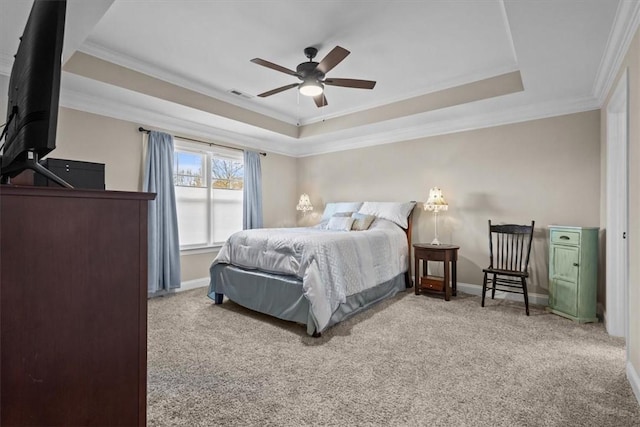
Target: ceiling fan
[313,75]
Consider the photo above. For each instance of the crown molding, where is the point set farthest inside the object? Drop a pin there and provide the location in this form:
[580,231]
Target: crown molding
[141,116]
[443,127]
[178,80]
[624,27]
[300,148]
[117,58]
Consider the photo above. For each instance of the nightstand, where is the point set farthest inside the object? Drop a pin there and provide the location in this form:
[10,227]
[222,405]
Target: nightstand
[447,254]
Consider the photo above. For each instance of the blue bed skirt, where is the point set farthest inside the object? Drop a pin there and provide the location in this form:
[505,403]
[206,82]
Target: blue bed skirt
[283,297]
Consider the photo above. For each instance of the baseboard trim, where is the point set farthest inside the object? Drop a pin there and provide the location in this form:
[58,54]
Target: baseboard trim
[184,286]
[634,380]
[193,284]
[538,299]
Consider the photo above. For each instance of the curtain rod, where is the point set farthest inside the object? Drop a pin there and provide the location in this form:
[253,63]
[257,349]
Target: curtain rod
[141,129]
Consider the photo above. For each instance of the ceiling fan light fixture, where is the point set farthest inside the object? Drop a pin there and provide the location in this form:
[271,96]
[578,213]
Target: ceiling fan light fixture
[312,74]
[311,87]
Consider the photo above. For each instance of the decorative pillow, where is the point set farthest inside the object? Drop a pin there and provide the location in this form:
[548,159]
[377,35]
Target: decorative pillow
[332,208]
[361,221]
[393,211]
[340,223]
[343,214]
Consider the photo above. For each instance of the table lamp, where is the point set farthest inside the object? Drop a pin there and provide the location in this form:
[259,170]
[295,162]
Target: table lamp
[435,203]
[304,204]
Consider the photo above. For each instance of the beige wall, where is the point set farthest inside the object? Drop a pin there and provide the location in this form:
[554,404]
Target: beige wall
[92,138]
[632,64]
[544,170]
[279,198]
[503,173]
[118,144]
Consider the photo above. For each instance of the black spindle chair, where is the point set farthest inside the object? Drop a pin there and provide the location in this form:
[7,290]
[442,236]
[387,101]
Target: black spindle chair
[509,248]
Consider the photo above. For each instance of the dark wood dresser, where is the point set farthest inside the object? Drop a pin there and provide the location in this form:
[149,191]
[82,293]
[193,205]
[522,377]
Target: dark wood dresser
[73,307]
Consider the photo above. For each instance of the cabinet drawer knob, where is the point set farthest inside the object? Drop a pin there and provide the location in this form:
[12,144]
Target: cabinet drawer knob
[575,264]
[564,237]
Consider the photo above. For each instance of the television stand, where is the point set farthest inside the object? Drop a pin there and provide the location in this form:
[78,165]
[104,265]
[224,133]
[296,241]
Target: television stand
[32,163]
[74,307]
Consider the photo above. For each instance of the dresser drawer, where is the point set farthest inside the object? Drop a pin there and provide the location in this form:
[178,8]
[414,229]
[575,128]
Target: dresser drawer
[565,237]
[432,282]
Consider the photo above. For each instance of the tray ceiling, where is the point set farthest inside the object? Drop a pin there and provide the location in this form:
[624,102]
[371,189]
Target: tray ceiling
[412,49]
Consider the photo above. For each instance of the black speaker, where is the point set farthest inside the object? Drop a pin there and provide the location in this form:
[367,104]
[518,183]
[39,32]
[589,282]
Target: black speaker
[81,175]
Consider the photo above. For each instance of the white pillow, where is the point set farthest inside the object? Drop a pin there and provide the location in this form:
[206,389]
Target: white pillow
[361,221]
[340,223]
[332,208]
[393,211]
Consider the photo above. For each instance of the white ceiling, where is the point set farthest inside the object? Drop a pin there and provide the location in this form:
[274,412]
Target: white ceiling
[565,51]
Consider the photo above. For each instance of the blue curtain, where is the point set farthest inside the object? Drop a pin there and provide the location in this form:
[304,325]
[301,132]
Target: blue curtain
[164,246]
[252,191]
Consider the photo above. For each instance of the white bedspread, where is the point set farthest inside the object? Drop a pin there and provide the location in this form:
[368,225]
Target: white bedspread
[331,264]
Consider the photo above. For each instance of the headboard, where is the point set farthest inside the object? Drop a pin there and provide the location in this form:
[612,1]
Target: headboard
[408,231]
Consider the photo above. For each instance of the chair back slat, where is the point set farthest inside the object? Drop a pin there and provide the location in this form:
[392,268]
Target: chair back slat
[510,246]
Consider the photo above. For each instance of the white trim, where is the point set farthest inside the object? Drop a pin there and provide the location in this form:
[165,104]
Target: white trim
[184,286]
[201,250]
[634,380]
[624,28]
[617,222]
[450,83]
[322,144]
[135,64]
[193,284]
[472,289]
[534,298]
[145,68]
[130,113]
[442,127]
[468,288]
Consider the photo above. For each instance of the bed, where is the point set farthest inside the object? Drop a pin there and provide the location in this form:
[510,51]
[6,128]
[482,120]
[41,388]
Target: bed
[321,275]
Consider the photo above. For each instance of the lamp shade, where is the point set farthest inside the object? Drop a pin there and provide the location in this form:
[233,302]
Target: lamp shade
[436,201]
[310,87]
[304,204]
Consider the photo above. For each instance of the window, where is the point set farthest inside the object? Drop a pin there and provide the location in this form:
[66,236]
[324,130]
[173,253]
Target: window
[208,183]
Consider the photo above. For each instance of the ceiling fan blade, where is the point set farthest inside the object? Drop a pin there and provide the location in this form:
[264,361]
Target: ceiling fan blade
[278,90]
[320,100]
[273,66]
[332,59]
[354,83]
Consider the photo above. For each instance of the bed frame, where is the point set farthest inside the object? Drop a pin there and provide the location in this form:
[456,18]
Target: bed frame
[290,289]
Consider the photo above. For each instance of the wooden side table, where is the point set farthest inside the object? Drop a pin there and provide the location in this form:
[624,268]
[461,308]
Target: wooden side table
[448,254]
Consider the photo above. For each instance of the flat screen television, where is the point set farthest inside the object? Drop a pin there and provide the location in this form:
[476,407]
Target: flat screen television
[34,91]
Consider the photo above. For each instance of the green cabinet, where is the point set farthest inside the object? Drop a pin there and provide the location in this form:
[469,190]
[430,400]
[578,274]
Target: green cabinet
[573,272]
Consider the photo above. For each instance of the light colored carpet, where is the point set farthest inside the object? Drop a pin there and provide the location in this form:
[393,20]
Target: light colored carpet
[412,360]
